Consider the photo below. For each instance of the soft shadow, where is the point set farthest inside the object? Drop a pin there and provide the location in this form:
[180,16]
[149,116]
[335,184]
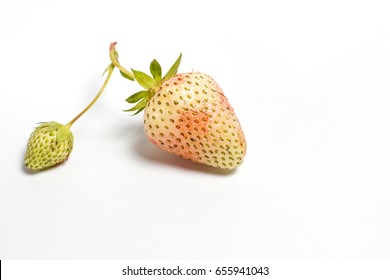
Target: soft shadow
[147,151]
[27,170]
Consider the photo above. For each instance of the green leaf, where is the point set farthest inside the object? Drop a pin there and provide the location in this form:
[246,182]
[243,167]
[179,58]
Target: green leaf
[140,106]
[108,69]
[139,111]
[137,96]
[155,70]
[144,80]
[126,76]
[173,71]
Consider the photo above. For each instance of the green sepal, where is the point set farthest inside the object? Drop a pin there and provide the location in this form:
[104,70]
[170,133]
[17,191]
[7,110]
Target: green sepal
[137,96]
[63,133]
[50,126]
[144,80]
[109,68]
[139,111]
[173,70]
[140,105]
[155,70]
[124,75]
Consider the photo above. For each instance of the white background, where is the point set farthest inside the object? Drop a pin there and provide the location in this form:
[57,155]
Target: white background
[309,81]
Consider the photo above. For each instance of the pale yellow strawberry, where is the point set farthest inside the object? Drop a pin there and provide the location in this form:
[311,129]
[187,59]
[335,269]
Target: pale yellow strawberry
[188,115]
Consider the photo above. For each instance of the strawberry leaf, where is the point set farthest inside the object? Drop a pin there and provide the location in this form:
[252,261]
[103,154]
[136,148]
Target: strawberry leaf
[137,96]
[140,105]
[144,80]
[139,111]
[126,76]
[155,70]
[173,71]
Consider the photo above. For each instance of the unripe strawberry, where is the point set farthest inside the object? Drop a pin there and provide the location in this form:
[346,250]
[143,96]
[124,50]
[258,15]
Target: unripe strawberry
[49,144]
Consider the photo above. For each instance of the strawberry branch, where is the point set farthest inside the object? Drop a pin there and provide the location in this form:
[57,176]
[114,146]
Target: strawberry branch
[109,69]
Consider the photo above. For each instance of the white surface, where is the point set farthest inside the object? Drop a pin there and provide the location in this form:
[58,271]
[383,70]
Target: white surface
[309,82]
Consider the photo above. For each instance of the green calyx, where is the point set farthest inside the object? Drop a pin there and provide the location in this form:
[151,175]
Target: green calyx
[63,131]
[148,82]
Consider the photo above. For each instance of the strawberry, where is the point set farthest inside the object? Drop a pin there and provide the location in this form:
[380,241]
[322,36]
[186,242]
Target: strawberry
[187,115]
[49,144]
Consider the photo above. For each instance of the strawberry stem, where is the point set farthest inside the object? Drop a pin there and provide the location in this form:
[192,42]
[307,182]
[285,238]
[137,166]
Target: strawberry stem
[114,60]
[109,69]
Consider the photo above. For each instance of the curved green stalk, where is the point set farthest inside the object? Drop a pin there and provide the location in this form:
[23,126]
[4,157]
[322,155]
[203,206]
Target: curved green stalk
[109,69]
[114,60]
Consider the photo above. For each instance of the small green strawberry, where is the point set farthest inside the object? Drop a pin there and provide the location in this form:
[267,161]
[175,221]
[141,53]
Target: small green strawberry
[187,115]
[50,144]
